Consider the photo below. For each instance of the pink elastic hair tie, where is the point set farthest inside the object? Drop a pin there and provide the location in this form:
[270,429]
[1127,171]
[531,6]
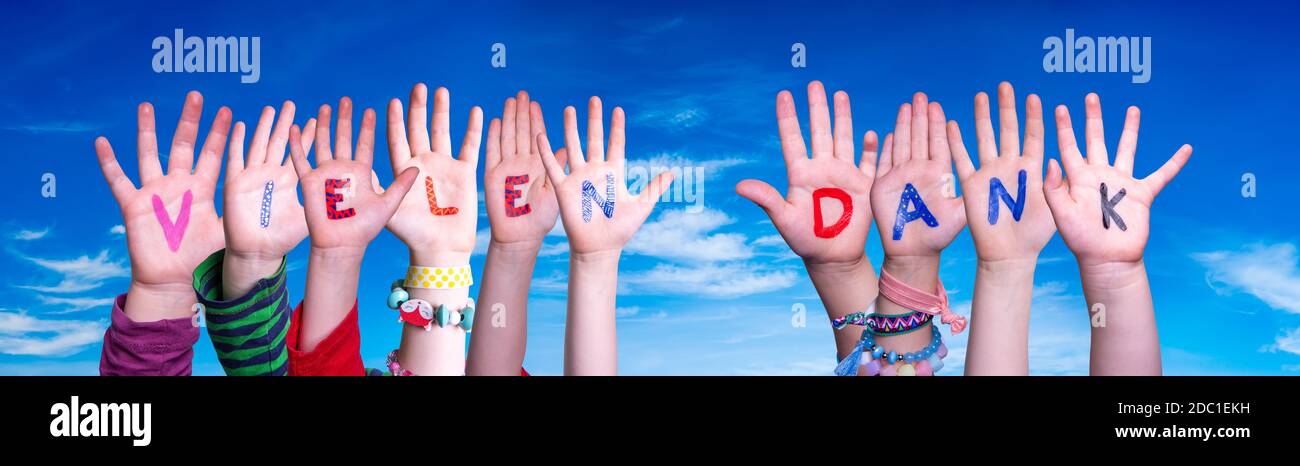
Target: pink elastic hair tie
[907,296]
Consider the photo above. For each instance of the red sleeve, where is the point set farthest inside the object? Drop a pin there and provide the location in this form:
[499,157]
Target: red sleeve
[338,354]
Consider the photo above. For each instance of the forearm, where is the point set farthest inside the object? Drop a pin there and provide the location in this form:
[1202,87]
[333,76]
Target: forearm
[590,342]
[241,271]
[330,294]
[921,272]
[155,302]
[441,349]
[499,340]
[1124,336]
[844,288]
[999,338]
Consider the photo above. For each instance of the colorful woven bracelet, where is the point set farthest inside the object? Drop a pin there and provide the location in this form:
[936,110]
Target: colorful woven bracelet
[420,313]
[885,324]
[439,278]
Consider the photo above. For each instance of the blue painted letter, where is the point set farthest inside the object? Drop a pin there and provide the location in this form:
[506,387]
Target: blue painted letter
[996,191]
[904,216]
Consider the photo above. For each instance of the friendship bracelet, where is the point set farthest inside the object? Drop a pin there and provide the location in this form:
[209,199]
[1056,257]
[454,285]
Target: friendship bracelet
[909,297]
[883,324]
[420,313]
[439,278]
[924,362]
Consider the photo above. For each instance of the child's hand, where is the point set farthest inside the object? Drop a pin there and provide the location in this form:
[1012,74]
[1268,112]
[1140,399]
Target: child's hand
[1114,228]
[1019,233]
[828,178]
[515,169]
[440,215]
[345,207]
[923,220]
[171,224]
[598,213]
[263,217]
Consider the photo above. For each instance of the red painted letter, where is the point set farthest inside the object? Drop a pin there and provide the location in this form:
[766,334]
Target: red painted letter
[819,227]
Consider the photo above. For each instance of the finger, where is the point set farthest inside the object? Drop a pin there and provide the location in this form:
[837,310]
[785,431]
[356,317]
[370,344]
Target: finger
[118,183]
[509,145]
[649,196]
[920,129]
[235,164]
[473,137]
[939,150]
[399,149]
[523,129]
[903,131]
[554,170]
[819,121]
[298,155]
[181,158]
[366,140]
[1093,132]
[308,136]
[493,148]
[869,153]
[1008,124]
[571,141]
[1034,132]
[1057,193]
[1071,159]
[537,123]
[322,135]
[261,137]
[843,127]
[147,144]
[764,195]
[397,190]
[441,131]
[280,135]
[214,145]
[1128,141]
[416,121]
[886,156]
[987,148]
[595,130]
[1166,173]
[960,157]
[343,140]
[617,135]
[787,124]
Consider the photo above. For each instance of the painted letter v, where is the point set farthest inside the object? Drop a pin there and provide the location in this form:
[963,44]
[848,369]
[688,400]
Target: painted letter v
[173,231]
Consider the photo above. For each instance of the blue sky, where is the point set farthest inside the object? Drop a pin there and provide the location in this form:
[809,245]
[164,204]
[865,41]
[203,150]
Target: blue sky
[711,292]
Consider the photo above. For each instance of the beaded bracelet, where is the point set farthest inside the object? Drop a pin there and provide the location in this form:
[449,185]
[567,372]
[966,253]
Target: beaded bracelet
[395,368]
[924,362]
[420,313]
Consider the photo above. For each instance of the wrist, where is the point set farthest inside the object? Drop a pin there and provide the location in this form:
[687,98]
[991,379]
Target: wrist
[150,302]
[240,271]
[1009,268]
[1112,275]
[515,251]
[852,267]
[596,258]
[920,272]
[431,258]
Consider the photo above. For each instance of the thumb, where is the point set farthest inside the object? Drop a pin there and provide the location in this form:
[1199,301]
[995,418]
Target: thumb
[396,191]
[1057,192]
[762,194]
[652,192]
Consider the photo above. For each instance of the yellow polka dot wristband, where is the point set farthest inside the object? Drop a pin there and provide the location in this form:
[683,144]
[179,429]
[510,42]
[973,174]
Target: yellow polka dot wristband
[439,278]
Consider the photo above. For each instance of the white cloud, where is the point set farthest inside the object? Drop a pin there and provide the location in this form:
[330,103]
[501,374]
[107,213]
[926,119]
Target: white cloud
[711,280]
[1289,342]
[684,236]
[627,311]
[76,304]
[30,235]
[22,334]
[553,249]
[666,160]
[117,230]
[79,274]
[1268,272]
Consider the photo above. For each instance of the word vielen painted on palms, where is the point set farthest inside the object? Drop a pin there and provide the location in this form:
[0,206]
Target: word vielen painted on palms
[265,217]
[998,191]
[910,196]
[1108,213]
[512,194]
[589,195]
[819,226]
[433,200]
[173,231]
[333,197]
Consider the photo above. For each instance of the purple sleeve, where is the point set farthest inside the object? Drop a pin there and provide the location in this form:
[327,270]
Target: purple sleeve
[164,347]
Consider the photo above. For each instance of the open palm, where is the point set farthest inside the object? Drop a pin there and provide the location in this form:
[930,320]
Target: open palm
[359,211]
[916,154]
[830,168]
[515,169]
[171,223]
[1077,203]
[592,227]
[441,213]
[252,226]
[1016,235]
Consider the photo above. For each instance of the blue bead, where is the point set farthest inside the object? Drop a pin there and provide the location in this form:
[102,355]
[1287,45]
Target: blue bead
[907,358]
[893,357]
[444,315]
[396,297]
[467,318]
[877,352]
